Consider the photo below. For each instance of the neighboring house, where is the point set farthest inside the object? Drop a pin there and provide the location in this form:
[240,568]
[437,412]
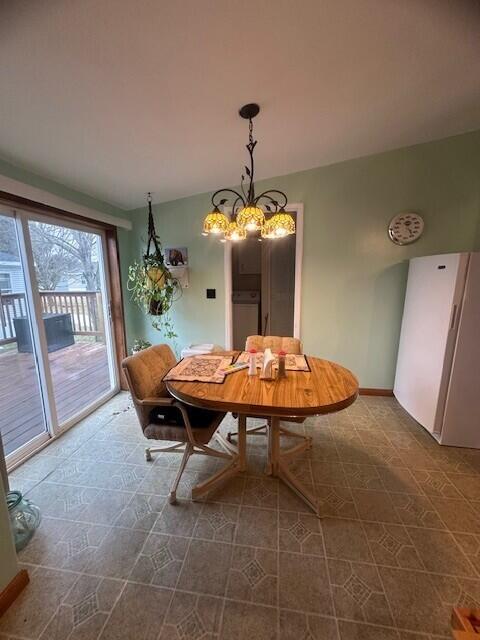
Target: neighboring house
[11,275]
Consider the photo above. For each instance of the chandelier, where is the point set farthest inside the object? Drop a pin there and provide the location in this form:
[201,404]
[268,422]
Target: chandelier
[264,213]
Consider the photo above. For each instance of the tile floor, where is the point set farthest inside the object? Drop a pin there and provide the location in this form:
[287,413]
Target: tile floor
[398,543]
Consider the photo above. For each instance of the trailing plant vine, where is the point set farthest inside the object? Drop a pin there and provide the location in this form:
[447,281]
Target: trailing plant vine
[151,285]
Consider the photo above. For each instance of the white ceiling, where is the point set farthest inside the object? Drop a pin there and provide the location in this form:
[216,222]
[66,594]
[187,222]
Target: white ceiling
[118,97]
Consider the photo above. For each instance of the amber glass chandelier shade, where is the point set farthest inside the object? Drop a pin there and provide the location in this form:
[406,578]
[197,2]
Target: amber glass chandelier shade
[281,224]
[235,233]
[268,231]
[215,222]
[251,218]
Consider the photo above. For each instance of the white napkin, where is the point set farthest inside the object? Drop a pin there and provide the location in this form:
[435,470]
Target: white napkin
[267,367]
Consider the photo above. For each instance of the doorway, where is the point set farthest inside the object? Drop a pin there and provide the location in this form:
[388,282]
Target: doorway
[263,285]
[57,360]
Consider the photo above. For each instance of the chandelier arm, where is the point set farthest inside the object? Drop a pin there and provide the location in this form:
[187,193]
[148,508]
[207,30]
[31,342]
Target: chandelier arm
[235,193]
[266,196]
[233,208]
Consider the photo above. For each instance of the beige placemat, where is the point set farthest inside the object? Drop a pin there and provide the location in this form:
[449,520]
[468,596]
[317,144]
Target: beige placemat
[200,369]
[293,362]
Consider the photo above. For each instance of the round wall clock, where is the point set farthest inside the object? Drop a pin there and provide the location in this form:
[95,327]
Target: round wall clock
[405,228]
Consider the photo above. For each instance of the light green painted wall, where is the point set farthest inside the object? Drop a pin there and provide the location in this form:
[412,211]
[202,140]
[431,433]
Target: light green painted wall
[35,180]
[353,275]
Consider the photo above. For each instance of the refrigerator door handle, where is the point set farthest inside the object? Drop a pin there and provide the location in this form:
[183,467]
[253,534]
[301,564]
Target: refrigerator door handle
[454,316]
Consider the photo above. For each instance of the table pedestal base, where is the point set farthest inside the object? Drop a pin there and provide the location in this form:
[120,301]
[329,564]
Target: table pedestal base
[277,464]
[237,465]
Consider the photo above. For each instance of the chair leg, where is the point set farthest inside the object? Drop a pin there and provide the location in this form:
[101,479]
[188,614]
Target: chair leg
[186,455]
[150,450]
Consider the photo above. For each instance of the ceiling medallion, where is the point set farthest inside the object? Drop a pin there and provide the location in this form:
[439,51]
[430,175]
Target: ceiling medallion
[249,211]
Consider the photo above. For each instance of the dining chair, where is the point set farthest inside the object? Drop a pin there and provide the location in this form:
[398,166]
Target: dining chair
[162,417]
[276,344]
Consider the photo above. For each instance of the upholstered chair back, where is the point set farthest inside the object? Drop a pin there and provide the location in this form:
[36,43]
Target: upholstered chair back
[144,372]
[275,343]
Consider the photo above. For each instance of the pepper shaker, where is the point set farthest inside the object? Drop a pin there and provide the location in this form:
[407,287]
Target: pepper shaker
[281,365]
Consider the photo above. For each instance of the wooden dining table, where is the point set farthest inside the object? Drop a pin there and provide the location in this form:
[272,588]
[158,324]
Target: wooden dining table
[326,388]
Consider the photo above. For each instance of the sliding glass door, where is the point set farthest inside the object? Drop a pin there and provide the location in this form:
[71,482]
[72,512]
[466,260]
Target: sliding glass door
[57,330]
[22,412]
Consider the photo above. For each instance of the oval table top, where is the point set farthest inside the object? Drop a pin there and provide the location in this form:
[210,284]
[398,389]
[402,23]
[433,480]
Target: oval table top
[326,388]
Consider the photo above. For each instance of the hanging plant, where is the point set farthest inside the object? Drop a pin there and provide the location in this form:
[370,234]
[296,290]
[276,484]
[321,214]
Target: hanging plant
[151,285]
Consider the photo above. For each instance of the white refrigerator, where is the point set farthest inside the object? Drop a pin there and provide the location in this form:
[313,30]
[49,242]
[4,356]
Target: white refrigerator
[438,367]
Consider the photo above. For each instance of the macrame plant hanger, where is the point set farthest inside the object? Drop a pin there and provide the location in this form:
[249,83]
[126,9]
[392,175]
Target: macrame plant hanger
[152,234]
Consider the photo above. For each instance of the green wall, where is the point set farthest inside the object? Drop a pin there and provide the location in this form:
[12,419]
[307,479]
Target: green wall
[353,275]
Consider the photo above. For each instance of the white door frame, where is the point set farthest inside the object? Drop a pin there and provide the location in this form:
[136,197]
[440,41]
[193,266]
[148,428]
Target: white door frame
[227,264]
[53,429]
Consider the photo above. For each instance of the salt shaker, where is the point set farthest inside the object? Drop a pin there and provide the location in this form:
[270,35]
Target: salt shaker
[281,364]
[252,365]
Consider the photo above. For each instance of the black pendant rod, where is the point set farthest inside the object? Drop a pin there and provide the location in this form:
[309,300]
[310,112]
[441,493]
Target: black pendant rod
[279,202]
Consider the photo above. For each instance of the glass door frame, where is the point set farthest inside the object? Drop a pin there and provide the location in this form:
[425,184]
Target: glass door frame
[53,429]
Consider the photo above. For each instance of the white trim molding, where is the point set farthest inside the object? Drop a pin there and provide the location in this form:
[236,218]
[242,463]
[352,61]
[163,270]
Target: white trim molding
[23,190]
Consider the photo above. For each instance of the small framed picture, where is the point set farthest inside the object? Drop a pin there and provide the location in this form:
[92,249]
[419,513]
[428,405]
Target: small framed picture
[176,256]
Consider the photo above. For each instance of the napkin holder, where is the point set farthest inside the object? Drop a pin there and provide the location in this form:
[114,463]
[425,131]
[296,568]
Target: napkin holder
[266,372]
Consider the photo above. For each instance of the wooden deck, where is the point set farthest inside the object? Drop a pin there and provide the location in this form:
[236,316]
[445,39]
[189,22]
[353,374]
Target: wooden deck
[80,375]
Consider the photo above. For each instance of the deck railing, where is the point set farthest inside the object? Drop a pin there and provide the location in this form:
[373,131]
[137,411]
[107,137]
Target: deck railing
[84,307]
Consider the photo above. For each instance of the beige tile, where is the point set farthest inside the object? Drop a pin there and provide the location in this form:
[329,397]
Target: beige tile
[301,469]
[257,527]
[391,545]
[345,539]
[416,510]
[62,544]
[470,545]
[467,485]
[440,553]
[458,592]
[206,567]
[104,451]
[217,522]
[304,584]
[294,625]
[160,560]
[435,483]
[288,500]
[36,604]
[85,609]
[244,621]
[335,501]
[328,473]
[117,553]
[398,480]
[358,592]
[300,533]
[230,492]
[179,519]
[35,469]
[457,514]
[192,617]
[414,601]
[253,575]
[141,512]
[360,631]
[362,476]
[261,492]
[139,613]
[375,506]
[100,475]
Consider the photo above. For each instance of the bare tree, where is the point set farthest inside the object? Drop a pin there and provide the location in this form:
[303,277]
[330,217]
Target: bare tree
[65,252]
